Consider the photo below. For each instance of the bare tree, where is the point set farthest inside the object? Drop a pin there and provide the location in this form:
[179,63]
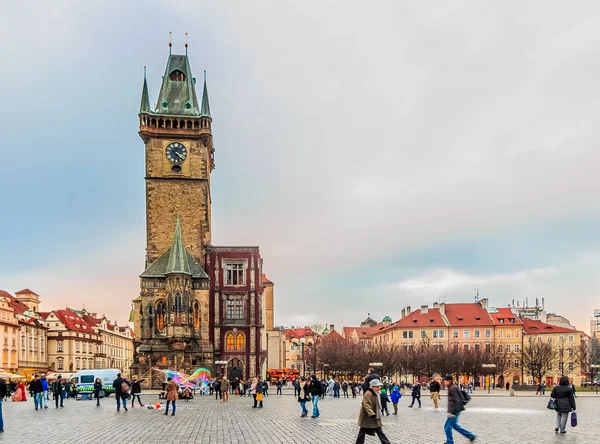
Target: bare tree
[538,357]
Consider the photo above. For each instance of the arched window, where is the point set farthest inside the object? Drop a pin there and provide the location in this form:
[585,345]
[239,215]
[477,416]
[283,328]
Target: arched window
[239,342]
[177,76]
[196,315]
[168,124]
[178,308]
[161,313]
[229,342]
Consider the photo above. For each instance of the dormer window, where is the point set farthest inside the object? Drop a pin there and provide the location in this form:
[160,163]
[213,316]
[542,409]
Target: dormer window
[177,76]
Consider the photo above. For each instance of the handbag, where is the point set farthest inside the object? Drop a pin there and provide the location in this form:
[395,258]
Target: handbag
[551,404]
[573,419]
[259,397]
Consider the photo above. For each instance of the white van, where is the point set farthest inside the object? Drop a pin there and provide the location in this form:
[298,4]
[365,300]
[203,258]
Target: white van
[84,380]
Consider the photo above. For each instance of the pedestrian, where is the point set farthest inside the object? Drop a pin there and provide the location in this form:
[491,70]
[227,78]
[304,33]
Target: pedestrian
[121,391]
[371,375]
[73,390]
[304,395]
[217,388]
[3,394]
[353,388]
[416,394]
[538,389]
[57,390]
[44,399]
[172,396]
[455,406]
[369,418]
[279,385]
[297,387]
[395,398]
[225,386]
[316,390]
[97,390]
[35,388]
[383,398]
[345,389]
[265,387]
[564,398]
[543,388]
[136,391]
[434,391]
[336,388]
[257,393]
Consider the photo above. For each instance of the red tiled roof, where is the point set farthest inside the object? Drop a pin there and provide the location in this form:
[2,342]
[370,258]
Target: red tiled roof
[91,321]
[265,279]
[43,314]
[433,318]
[333,336]
[73,321]
[18,306]
[297,333]
[533,327]
[507,315]
[470,314]
[361,332]
[26,291]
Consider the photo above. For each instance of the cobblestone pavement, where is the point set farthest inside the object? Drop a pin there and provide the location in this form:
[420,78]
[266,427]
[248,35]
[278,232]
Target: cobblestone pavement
[494,420]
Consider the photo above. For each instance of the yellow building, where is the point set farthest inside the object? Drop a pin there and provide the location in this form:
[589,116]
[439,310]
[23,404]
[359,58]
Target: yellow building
[116,343]
[567,347]
[9,329]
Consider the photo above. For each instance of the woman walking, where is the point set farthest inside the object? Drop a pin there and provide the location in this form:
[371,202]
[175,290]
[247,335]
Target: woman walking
[304,396]
[136,390]
[565,403]
[172,395]
[97,390]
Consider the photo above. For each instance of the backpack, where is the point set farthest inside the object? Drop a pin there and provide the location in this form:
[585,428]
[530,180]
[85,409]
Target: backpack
[464,396]
[124,387]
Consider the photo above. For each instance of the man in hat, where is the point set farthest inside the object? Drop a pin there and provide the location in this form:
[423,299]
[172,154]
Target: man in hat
[455,406]
[369,418]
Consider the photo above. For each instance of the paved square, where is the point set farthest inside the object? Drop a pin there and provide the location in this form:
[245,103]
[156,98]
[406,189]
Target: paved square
[520,419]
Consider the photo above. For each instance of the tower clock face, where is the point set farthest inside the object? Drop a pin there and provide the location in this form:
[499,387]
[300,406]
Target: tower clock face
[176,152]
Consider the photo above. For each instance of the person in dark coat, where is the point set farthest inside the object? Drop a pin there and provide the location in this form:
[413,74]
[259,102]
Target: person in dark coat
[416,394]
[371,375]
[119,385]
[455,406]
[97,390]
[35,387]
[564,397]
[136,390]
[58,390]
[3,394]
[316,390]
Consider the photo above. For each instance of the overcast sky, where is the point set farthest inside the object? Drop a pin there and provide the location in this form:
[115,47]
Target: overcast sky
[382,153]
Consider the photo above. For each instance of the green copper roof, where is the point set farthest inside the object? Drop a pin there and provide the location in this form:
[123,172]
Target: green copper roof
[145,103]
[205,109]
[176,260]
[178,96]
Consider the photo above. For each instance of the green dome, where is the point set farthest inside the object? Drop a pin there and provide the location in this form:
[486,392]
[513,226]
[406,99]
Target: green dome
[387,319]
[326,331]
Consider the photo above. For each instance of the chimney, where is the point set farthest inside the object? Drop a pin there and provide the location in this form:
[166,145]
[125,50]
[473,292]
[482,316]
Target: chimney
[442,309]
[436,305]
[408,310]
[424,309]
[484,303]
[403,313]
[331,327]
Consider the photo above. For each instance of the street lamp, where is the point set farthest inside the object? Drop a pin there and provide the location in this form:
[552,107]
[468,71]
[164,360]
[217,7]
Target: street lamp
[490,366]
[222,364]
[302,342]
[597,368]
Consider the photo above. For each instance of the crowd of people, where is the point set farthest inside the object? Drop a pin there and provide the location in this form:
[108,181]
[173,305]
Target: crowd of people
[376,392]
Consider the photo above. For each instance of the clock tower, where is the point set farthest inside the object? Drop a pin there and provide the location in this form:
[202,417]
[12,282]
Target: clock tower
[171,315]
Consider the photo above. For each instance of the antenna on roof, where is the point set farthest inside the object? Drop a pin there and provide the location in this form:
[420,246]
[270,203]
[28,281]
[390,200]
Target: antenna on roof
[186,43]
[170,42]
[477,295]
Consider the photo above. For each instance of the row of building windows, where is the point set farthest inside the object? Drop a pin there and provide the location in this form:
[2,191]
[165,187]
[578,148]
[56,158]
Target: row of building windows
[235,343]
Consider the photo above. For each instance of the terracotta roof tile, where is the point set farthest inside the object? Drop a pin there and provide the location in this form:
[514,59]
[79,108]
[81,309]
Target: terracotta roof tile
[469,314]
[506,315]
[26,291]
[533,327]
[18,306]
[266,280]
[72,321]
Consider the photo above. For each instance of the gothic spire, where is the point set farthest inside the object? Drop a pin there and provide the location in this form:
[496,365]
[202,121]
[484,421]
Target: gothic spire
[205,108]
[145,103]
[178,258]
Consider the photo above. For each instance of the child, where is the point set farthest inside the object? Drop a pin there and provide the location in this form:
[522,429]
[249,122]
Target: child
[384,400]
[395,396]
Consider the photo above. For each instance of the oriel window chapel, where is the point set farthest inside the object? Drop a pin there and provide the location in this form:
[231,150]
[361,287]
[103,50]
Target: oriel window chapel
[199,304]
